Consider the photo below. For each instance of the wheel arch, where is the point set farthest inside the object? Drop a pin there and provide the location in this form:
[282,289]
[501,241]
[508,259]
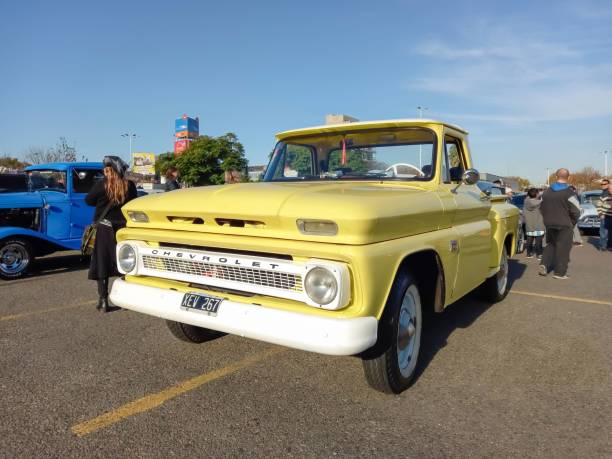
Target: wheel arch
[429,275]
[510,245]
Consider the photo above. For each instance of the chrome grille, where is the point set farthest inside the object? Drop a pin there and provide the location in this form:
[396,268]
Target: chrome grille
[252,276]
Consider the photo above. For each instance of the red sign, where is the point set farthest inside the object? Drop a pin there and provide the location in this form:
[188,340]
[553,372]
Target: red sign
[181,145]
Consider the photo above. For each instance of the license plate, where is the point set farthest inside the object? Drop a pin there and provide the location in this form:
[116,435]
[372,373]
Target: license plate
[203,303]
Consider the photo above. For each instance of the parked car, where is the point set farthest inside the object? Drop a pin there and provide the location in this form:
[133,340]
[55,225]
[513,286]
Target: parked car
[14,183]
[340,250]
[490,188]
[589,219]
[43,211]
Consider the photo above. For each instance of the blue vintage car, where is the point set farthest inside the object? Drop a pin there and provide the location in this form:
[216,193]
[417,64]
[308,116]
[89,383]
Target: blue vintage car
[43,211]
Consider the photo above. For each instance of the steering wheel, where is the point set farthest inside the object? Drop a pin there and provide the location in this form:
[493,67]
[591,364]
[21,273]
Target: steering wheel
[394,167]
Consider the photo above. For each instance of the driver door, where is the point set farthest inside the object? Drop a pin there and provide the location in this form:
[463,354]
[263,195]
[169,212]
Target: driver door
[82,180]
[470,219]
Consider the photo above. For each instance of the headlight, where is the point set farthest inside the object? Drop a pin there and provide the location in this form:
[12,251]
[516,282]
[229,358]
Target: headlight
[321,285]
[126,258]
[138,217]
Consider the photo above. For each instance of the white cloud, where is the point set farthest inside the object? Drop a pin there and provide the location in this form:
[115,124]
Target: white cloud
[514,76]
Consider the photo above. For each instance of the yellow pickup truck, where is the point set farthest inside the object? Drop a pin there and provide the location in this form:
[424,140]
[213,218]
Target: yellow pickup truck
[355,234]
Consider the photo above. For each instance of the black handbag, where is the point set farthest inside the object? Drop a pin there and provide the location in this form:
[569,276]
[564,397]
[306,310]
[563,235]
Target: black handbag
[88,239]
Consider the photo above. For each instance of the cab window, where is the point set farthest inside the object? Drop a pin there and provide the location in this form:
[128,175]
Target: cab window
[84,179]
[454,163]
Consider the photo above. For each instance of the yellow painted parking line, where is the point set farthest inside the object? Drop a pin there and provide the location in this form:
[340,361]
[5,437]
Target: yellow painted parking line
[566,298]
[154,400]
[44,311]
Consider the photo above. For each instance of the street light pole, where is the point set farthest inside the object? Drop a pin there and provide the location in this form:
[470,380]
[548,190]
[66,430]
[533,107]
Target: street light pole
[605,163]
[420,110]
[547,176]
[130,136]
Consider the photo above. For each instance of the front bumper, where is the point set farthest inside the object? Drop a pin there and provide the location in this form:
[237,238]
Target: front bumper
[325,335]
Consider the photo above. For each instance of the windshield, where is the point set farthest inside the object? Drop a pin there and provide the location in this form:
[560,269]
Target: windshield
[591,198]
[48,180]
[400,154]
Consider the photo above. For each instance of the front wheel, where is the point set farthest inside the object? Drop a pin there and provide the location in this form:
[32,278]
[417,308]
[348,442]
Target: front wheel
[390,365]
[496,287]
[16,256]
[191,333]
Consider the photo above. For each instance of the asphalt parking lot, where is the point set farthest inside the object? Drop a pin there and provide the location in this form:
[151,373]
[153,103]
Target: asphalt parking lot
[530,376]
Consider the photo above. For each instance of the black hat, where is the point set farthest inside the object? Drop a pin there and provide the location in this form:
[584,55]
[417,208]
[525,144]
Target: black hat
[118,165]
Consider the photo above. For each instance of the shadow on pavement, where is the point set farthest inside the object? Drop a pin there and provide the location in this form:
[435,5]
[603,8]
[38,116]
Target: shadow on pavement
[460,314]
[58,264]
[594,241]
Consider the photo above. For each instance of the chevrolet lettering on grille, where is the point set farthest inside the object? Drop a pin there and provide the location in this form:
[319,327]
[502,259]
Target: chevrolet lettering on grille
[214,259]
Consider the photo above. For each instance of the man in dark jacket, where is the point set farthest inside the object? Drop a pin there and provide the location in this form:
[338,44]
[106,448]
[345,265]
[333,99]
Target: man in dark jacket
[560,210]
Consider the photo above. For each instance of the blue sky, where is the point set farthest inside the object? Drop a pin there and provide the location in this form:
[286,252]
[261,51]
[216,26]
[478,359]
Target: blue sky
[530,80]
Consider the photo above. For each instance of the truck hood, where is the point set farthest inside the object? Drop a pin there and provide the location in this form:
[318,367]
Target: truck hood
[21,200]
[365,212]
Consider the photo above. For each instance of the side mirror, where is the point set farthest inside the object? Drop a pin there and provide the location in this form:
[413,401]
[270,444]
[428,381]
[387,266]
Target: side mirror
[471,177]
[82,175]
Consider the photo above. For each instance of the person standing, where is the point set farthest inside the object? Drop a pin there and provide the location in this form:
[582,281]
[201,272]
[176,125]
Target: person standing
[577,237]
[604,210]
[172,175]
[108,195]
[534,223]
[560,211]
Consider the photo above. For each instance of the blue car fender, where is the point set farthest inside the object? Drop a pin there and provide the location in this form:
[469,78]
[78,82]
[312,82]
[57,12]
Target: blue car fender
[8,232]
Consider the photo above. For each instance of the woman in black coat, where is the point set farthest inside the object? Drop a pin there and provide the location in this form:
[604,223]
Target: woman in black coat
[116,190]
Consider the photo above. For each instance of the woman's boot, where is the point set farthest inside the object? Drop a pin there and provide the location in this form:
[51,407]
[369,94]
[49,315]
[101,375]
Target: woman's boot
[103,295]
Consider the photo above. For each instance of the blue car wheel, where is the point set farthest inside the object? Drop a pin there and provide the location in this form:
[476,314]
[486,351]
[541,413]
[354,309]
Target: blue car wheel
[15,258]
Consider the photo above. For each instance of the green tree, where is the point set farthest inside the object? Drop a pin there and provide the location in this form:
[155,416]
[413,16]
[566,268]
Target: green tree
[8,162]
[163,162]
[207,159]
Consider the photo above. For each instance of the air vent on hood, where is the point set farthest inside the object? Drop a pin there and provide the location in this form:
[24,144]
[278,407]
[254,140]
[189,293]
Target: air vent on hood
[193,220]
[239,223]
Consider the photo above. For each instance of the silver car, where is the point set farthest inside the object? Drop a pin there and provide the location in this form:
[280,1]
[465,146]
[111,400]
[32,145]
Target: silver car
[588,210]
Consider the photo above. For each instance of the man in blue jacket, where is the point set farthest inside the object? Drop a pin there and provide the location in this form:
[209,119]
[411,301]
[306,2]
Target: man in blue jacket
[560,210]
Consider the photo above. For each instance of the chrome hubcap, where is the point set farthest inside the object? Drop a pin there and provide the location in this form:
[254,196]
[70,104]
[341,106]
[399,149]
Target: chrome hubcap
[406,334]
[502,274]
[13,258]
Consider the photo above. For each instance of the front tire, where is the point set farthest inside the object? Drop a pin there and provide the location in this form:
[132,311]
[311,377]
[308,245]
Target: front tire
[16,256]
[496,287]
[191,333]
[390,365]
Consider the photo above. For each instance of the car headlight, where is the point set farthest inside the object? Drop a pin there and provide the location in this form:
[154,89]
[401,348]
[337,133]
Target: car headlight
[126,258]
[138,216]
[321,285]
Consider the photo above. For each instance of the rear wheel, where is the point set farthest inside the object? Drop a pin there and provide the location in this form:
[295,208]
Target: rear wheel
[16,256]
[520,240]
[496,287]
[191,333]
[390,365]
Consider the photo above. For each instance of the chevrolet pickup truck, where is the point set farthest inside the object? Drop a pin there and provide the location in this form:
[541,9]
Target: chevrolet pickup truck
[357,232]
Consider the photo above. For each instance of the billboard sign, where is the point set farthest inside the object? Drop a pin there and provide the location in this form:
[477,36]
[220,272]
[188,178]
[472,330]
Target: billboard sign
[143,163]
[181,145]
